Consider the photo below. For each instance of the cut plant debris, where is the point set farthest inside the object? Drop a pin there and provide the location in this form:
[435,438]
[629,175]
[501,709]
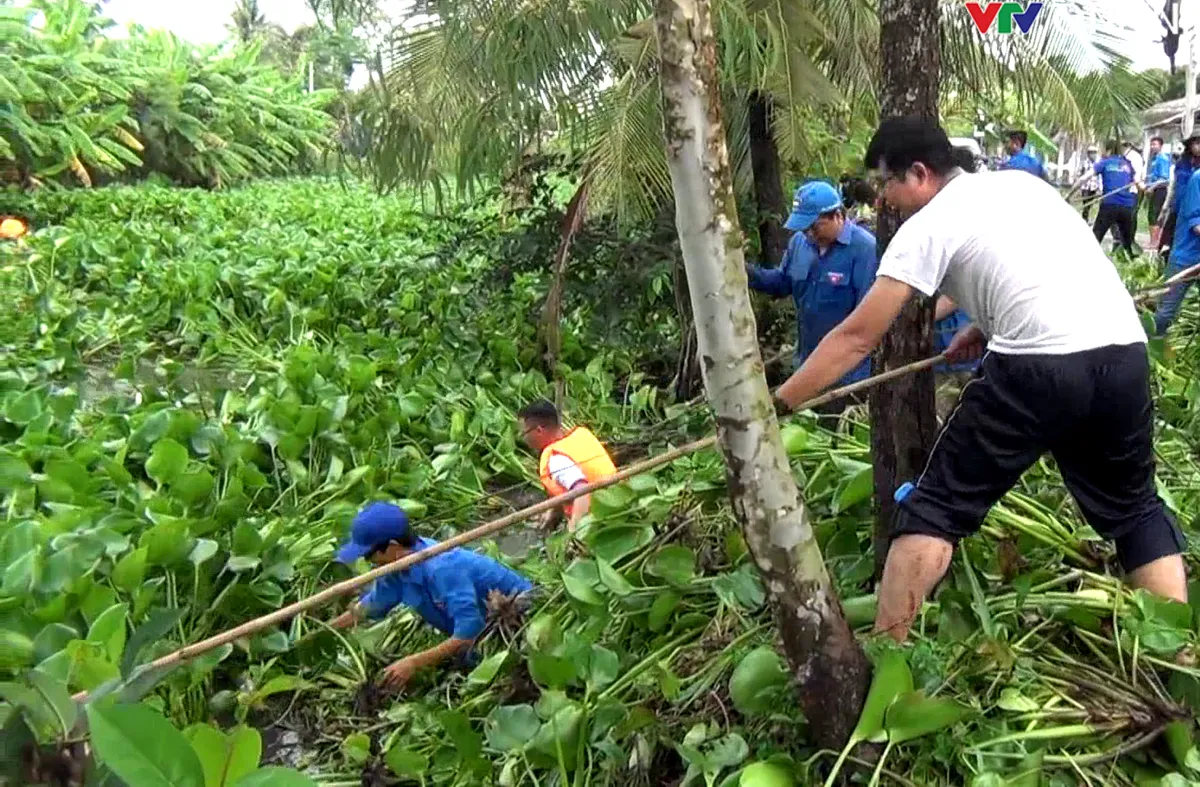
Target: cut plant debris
[199,389]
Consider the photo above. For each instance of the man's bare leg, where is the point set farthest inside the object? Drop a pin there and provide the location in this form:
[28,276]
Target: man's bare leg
[915,564]
[1163,577]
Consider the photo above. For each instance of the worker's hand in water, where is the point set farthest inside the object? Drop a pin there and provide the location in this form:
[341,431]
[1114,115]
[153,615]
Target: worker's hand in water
[397,674]
[967,345]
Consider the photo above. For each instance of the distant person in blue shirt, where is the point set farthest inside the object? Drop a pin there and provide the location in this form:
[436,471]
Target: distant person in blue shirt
[449,591]
[948,319]
[1117,180]
[1158,178]
[1184,167]
[1185,252]
[827,269]
[1019,158]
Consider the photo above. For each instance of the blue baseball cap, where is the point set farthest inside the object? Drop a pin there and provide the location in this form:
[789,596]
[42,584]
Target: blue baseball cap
[811,200]
[374,526]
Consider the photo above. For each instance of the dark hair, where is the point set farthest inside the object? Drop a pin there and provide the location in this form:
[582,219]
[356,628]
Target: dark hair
[542,412]
[408,541]
[1112,146]
[856,191]
[1020,136]
[1159,140]
[901,142]
[964,159]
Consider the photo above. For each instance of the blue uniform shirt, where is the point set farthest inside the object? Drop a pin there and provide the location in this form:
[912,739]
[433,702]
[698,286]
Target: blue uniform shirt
[1183,173]
[1025,162]
[943,332]
[825,288]
[1185,246]
[448,591]
[1160,169]
[1116,173]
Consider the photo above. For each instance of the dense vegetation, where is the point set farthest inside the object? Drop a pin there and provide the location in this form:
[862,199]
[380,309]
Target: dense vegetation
[199,389]
[78,107]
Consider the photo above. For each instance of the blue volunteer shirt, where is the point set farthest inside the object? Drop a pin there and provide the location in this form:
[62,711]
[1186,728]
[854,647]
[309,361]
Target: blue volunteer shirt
[1116,174]
[825,288]
[1025,162]
[1183,173]
[1160,169]
[943,332]
[1185,246]
[448,591]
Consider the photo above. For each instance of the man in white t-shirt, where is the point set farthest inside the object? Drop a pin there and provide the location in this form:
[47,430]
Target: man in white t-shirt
[1065,368]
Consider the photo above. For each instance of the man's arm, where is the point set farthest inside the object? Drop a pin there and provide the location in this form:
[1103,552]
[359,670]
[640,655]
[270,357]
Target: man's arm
[580,508]
[771,281]
[1162,216]
[944,308]
[457,592]
[1083,178]
[349,618]
[400,672]
[846,345]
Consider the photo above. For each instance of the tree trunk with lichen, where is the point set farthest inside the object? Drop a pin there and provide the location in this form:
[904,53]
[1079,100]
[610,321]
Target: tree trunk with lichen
[831,669]
[903,412]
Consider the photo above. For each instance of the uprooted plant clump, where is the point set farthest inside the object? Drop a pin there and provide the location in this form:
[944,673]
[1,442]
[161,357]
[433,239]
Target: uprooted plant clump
[366,350]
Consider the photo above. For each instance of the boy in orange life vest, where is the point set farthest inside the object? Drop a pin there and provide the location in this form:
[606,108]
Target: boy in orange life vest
[567,459]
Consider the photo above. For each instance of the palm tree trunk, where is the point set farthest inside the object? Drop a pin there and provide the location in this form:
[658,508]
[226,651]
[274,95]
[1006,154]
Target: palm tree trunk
[768,180]
[831,669]
[551,327]
[903,414]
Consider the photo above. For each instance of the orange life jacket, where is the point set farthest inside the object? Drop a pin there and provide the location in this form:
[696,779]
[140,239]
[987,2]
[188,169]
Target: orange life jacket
[12,228]
[581,447]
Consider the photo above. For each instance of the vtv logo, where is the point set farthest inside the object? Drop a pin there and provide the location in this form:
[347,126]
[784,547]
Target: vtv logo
[986,15]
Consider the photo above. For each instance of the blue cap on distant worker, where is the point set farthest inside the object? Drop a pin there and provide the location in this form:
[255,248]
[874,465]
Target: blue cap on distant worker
[811,200]
[373,528]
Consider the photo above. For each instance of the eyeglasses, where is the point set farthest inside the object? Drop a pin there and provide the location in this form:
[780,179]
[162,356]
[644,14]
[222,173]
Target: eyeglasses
[878,181]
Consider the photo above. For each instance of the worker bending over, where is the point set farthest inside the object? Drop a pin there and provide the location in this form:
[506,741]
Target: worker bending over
[1065,368]
[567,460]
[449,591]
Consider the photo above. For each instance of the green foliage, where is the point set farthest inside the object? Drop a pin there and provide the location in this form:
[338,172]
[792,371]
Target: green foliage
[199,389]
[74,101]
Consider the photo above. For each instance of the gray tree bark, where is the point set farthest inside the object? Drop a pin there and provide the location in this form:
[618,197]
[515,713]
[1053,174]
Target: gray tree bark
[903,414]
[831,669]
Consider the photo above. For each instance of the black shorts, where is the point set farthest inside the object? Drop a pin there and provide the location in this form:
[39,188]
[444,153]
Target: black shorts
[1091,410]
[1168,233]
[1158,198]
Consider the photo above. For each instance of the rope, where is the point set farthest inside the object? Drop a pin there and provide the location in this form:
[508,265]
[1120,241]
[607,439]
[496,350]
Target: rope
[256,625]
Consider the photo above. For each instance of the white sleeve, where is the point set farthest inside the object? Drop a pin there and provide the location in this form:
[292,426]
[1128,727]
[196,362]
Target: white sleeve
[564,471]
[919,255]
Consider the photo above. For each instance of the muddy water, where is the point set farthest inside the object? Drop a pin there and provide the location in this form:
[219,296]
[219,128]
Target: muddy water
[518,540]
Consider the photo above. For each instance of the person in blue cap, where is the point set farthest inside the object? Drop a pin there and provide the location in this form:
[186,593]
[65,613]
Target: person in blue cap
[449,591]
[1019,158]
[827,269]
